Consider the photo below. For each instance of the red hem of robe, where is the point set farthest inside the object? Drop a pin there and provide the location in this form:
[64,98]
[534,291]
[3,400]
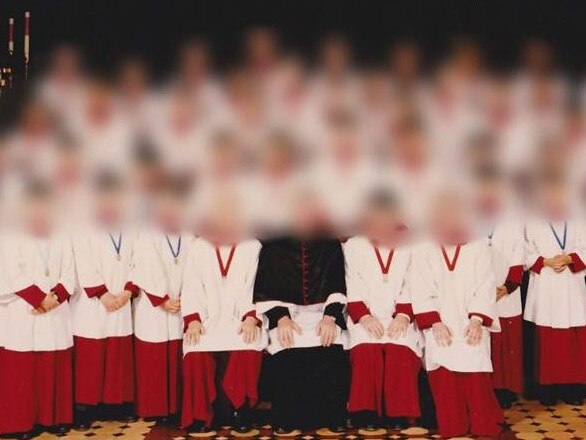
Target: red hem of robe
[132,288]
[427,319]
[405,309]
[155,300]
[537,266]
[95,291]
[61,292]
[384,379]
[357,310]
[104,370]
[32,295]
[507,355]
[561,355]
[158,373]
[188,319]
[486,321]
[465,403]
[36,389]
[577,264]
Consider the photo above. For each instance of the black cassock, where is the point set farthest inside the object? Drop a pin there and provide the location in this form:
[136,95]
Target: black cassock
[311,383]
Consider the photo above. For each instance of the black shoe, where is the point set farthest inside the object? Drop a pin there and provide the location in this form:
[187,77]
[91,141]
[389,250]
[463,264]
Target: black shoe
[163,420]
[397,422]
[338,429]
[198,427]
[548,400]
[84,417]
[427,422]
[58,429]
[504,398]
[20,435]
[241,420]
[281,430]
[574,401]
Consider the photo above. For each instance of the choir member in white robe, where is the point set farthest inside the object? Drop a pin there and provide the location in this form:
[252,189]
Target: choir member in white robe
[102,319]
[159,260]
[37,381]
[453,297]
[556,296]
[222,341]
[385,344]
[503,233]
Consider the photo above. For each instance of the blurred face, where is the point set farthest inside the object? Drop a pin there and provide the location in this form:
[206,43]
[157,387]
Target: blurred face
[168,211]
[381,225]
[450,219]
[109,206]
[39,215]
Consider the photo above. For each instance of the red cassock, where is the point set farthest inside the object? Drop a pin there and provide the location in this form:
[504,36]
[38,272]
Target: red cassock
[36,358]
[217,291]
[556,302]
[104,361]
[506,244]
[384,371]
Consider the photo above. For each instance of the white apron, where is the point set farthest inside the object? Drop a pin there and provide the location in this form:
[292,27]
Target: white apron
[469,288]
[365,282]
[555,300]
[220,301]
[98,264]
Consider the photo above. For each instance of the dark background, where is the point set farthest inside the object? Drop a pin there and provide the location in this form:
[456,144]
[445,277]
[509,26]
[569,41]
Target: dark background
[108,30]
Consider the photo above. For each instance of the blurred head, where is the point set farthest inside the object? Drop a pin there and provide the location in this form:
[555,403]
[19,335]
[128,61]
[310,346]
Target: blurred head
[450,217]
[382,221]
[261,47]
[279,155]
[38,207]
[405,61]
[170,201]
[335,55]
[110,198]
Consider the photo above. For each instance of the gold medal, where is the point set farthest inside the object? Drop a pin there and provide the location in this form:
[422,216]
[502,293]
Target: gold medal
[118,257]
[176,260]
[47,273]
[385,278]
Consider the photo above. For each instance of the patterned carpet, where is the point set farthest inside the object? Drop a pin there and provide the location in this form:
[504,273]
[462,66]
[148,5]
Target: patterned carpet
[527,420]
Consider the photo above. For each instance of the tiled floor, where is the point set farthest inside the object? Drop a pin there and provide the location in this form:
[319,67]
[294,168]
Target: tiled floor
[527,420]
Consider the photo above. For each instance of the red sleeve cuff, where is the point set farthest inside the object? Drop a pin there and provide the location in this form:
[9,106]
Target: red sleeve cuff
[95,291]
[537,266]
[252,313]
[356,310]
[515,274]
[32,295]
[405,309]
[61,292]
[427,319]
[188,319]
[577,265]
[486,321]
[133,288]
[155,300]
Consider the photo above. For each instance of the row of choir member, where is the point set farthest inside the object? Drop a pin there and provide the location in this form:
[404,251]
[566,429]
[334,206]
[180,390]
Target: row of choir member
[129,318]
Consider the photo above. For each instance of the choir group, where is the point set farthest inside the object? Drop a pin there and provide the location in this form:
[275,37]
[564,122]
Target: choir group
[341,247]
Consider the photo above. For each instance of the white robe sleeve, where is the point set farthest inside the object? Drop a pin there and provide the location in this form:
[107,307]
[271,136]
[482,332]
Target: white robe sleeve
[89,277]
[193,295]
[483,301]
[424,289]
[245,303]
